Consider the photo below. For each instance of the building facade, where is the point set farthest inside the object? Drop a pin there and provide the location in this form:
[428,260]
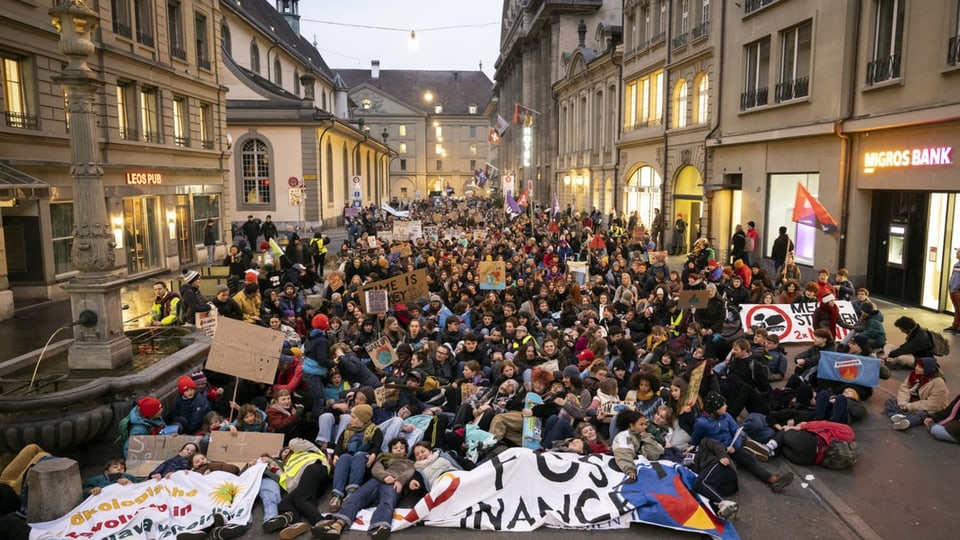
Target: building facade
[160,133]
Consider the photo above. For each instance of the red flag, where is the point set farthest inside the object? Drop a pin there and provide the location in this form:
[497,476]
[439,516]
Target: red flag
[808,210]
[493,137]
[516,113]
[522,201]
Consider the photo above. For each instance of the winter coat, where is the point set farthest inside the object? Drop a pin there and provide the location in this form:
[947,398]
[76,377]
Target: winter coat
[142,426]
[919,344]
[317,361]
[721,429]
[401,469]
[355,372]
[933,395]
[629,444]
[189,413]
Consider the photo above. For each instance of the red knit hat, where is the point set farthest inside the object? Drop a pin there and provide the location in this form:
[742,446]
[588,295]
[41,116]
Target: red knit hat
[320,322]
[149,406]
[184,382]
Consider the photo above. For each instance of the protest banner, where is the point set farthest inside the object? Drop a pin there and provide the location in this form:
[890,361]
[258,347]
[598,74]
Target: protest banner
[245,350]
[693,299]
[386,236]
[493,275]
[381,352]
[849,368]
[146,452]
[792,323]
[431,233]
[207,321]
[693,389]
[187,501]
[403,249]
[376,301]
[243,447]
[406,287]
[372,242]
[579,270]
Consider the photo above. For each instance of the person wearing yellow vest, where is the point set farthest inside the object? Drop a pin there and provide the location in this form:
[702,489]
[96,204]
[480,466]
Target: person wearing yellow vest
[164,310]
[305,474]
[318,250]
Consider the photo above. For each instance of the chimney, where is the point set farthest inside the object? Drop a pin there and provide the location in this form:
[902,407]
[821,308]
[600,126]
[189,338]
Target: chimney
[375,69]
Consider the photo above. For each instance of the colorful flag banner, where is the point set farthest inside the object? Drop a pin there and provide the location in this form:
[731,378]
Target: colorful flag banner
[808,210]
[849,368]
[523,115]
[522,201]
[512,208]
[502,125]
[493,137]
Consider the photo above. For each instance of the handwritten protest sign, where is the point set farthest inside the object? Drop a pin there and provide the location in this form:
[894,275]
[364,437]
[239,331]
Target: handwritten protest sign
[431,233]
[493,275]
[693,299]
[376,301]
[245,350]
[381,352]
[407,230]
[383,394]
[403,249]
[386,236]
[406,287]
[207,321]
[243,447]
[693,389]
[146,452]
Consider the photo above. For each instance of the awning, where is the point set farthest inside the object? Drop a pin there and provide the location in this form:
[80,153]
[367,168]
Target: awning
[16,184]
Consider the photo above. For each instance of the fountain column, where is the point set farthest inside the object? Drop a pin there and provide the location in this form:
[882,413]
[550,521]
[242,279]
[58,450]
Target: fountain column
[99,341]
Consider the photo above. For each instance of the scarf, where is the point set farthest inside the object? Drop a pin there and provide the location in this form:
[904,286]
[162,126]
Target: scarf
[423,463]
[367,430]
[644,397]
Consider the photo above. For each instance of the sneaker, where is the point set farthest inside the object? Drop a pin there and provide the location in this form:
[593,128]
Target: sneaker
[226,532]
[294,531]
[327,531]
[951,329]
[280,521]
[380,532]
[901,424]
[760,452]
[897,417]
[335,503]
[781,482]
[727,510]
[192,535]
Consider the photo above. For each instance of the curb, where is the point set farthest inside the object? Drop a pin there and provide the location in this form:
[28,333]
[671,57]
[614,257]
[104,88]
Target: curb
[847,515]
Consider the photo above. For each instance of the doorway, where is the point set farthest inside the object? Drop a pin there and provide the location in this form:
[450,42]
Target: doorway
[184,224]
[141,233]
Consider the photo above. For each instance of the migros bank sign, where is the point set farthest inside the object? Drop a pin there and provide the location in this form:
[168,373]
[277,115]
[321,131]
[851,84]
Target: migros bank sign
[907,157]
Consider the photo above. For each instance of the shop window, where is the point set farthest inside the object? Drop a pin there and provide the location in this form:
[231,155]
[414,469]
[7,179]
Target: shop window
[61,227]
[206,206]
[175,30]
[642,192]
[255,173]
[782,194]
[126,120]
[794,63]
[887,41]
[149,114]
[142,240]
[680,104]
[181,134]
[756,76]
[701,98]
[17,92]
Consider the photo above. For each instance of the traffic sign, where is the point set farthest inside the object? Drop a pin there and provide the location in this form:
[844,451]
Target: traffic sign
[356,194]
[508,180]
[355,179]
[293,181]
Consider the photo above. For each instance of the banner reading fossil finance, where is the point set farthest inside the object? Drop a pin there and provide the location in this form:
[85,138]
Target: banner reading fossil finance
[158,509]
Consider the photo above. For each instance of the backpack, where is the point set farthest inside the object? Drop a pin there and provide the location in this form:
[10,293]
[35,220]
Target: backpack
[841,455]
[182,311]
[314,248]
[941,347]
[124,428]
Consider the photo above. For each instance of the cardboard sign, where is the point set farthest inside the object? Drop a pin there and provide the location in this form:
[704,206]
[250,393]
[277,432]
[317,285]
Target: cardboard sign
[493,275]
[208,321]
[381,352]
[245,350]
[407,230]
[386,236]
[579,270]
[403,249]
[147,452]
[372,242]
[693,299]
[693,389]
[383,394]
[243,447]
[431,233]
[611,408]
[406,287]
[376,301]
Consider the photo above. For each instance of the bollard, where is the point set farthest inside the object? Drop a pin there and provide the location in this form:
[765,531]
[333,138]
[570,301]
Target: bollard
[54,489]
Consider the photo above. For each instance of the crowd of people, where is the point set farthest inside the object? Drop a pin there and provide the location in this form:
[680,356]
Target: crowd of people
[611,355]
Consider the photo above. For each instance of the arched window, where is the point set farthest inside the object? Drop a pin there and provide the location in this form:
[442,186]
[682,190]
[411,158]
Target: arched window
[329,158]
[323,98]
[680,104]
[642,193]
[701,98]
[225,38]
[346,172]
[277,71]
[296,82]
[254,57]
[255,163]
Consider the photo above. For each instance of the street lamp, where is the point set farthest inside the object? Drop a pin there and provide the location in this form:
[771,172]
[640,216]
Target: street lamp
[99,343]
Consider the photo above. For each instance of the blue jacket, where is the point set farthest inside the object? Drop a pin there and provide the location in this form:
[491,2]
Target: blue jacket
[317,361]
[189,413]
[354,372]
[142,426]
[720,429]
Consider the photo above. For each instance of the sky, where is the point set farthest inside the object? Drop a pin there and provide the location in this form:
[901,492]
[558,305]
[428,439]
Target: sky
[440,49]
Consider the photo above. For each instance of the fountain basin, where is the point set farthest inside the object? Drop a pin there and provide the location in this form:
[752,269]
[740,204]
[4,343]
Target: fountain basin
[65,409]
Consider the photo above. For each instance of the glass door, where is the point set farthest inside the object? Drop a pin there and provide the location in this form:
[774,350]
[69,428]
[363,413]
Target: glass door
[939,258]
[184,225]
[142,235]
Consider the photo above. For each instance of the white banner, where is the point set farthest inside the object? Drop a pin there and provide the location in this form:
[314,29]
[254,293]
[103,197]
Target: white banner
[518,490]
[793,323]
[161,509]
[395,213]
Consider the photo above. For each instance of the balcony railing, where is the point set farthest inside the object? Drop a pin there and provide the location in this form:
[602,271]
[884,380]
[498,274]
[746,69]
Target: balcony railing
[753,98]
[21,120]
[129,134]
[203,62]
[122,29]
[177,52]
[144,38]
[658,38]
[680,41]
[151,136]
[794,89]
[953,51]
[700,30]
[883,69]
[206,145]
[752,5]
[181,141]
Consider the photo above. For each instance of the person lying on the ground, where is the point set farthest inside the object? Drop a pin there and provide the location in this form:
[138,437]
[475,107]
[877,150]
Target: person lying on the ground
[114,472]
[633,440]
[179,462]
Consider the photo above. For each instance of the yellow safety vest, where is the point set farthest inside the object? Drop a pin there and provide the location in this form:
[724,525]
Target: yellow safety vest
[296,463]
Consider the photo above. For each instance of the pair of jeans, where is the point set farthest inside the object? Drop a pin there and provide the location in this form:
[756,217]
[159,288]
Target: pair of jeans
[756,426]
[317,394]
[348,473]
[372,491]
[270,497]
[834,412]
[941,434]
[915,417]
[329,428]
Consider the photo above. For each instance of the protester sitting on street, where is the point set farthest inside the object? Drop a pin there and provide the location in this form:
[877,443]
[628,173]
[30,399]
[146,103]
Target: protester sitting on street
[945,424]
[919,344]
[226,305]
[745,384]
[844,407]
[806,361]
[146,418]
[870,326]
[922,394]
[827,315]
[817,442]
[716,423]
[249,418]
[283,416]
